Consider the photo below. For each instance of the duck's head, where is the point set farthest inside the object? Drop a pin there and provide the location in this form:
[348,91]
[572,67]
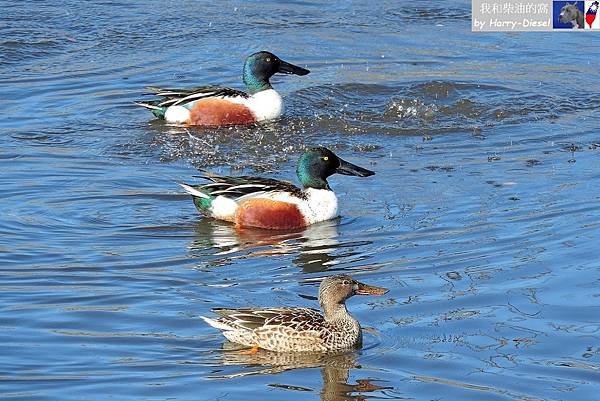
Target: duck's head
[316,164]
[261,66]
[337,289]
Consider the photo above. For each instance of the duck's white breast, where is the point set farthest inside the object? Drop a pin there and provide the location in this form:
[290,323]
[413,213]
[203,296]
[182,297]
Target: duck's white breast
[320,205]
[265,105]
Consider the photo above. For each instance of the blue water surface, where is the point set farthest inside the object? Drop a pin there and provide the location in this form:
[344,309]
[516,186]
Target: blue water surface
[482,219]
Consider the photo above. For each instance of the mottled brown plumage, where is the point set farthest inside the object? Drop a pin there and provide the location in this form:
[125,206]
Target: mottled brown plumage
[299,329]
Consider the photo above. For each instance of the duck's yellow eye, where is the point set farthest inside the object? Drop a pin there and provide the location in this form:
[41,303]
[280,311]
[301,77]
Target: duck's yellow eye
[268,59]
[326,158]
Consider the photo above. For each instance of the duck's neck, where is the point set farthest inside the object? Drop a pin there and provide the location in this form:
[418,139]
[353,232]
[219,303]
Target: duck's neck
[311,181]
[255,84]
[336,312]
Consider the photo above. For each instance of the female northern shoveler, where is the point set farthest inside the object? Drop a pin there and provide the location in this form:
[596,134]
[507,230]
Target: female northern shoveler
[299,329]
[216,106]
[272,204]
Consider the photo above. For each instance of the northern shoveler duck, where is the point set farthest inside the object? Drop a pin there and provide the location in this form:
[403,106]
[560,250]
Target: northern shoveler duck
[218,106]
[273,204]
[299,329]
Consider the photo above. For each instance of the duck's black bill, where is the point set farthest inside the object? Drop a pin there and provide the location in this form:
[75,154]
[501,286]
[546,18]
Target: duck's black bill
[287,68]
[347,168]
[364,289]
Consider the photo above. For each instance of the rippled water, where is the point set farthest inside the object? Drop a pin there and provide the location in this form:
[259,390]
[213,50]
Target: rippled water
[482,218]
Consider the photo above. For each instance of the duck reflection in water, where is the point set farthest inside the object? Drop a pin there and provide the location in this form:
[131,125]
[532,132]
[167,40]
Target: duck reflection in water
[314,246]
[335,371]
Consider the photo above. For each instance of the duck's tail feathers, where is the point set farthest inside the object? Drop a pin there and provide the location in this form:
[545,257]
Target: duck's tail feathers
[217,324]
[157,110]
[194,192]
[148,105]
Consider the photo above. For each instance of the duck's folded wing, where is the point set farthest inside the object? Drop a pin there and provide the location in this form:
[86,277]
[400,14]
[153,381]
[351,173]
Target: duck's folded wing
[298,319]
[175,97]
[246,186]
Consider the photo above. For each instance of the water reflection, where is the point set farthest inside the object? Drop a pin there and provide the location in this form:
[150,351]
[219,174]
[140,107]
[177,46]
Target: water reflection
[314,246]
[335,371]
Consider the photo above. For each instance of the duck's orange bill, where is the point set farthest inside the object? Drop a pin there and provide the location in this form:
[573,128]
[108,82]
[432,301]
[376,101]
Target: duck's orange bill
[364,289]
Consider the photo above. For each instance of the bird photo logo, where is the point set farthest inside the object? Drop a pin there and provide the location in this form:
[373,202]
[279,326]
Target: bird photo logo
[591,22]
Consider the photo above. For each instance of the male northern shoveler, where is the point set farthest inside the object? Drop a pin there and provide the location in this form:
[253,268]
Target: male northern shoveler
[217,106]
[299,329]
[273,204]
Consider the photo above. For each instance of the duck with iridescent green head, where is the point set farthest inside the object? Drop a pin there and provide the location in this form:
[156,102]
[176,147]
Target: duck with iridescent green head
[273,204]
[220,106]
